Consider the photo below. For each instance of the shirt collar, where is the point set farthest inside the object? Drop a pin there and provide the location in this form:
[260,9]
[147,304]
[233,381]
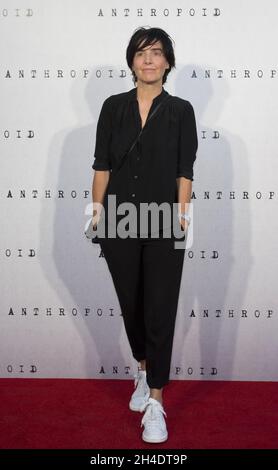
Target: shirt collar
[157,99]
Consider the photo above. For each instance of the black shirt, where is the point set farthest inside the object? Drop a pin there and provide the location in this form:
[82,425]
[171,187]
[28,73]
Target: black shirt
[165,151]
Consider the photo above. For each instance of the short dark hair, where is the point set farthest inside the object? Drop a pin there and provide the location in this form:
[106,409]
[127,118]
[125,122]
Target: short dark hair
[148,37]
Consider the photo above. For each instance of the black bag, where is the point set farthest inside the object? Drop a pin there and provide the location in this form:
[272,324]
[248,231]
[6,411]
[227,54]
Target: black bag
[90,230]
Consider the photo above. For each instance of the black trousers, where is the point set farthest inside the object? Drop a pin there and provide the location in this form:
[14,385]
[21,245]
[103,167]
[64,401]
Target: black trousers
[146,273]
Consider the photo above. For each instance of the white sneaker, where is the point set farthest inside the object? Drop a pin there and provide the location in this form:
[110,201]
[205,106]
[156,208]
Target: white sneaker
[153,420]
[141,394]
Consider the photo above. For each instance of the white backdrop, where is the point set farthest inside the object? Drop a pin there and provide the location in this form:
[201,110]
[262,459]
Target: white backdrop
[60,315]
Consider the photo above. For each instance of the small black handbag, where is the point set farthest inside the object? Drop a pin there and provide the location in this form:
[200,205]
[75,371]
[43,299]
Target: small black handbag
[90,231]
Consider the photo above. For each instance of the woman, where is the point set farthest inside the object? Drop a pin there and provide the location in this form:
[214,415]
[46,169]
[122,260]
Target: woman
[146,265]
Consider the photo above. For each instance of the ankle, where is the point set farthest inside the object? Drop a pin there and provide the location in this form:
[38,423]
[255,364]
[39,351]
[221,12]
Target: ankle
[142,365]
[159,399]
[157,394]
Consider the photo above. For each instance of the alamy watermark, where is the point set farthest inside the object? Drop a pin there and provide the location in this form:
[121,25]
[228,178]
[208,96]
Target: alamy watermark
[154,219]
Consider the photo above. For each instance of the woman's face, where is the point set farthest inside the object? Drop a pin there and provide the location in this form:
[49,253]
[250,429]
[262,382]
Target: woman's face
[150,63]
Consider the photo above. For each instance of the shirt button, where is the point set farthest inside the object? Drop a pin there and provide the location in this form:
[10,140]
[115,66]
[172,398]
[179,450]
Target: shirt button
[138,158]
[135,176]
[133,195]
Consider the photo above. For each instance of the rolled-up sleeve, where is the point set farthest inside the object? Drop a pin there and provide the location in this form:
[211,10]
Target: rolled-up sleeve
[103,138]
[188,143]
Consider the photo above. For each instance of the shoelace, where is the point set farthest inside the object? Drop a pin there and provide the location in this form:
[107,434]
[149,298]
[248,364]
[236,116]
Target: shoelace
[152,413]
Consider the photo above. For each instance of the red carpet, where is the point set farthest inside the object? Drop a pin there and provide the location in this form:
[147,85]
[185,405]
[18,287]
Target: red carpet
[94,414]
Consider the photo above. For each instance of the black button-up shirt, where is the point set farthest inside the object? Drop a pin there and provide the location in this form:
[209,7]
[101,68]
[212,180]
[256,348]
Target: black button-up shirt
[165,151]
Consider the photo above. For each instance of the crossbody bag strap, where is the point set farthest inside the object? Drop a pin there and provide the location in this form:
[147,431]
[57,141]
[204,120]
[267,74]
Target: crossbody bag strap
[139,135]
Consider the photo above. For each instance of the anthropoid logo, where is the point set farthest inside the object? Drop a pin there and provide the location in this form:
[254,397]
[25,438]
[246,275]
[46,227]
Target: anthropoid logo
[18,253]
[7,13]
[19,369]
[150,12]
[65,313]
[176,371]
[12,135]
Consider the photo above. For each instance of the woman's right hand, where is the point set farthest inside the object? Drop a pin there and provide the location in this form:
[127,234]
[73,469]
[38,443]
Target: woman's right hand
[95,220]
